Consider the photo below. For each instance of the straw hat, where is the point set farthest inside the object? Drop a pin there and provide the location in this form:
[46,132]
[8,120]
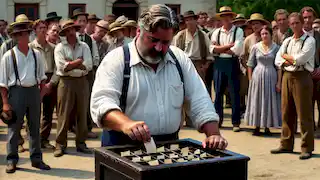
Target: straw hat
[66,25]
[51,16]
[21,24]
[130,23]
[240,18]
[190,14]
[122,19]
[257,17]
[226,10]
[115,26]
[103,24]
[93,17]
[78,12]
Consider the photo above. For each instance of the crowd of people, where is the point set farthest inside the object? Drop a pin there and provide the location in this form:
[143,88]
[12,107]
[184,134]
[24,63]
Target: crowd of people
[144,79]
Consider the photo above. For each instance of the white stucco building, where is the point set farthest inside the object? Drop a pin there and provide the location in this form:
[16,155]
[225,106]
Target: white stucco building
[39,8]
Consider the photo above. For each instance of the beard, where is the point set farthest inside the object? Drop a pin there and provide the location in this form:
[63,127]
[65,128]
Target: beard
[154,57]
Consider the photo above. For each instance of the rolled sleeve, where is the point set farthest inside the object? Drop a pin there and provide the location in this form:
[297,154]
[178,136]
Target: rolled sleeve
[201,108]
[107,86]
[307,52]
[213,40]
[238,44]
[4,71]
[279,60]
[59,59]
[87,57]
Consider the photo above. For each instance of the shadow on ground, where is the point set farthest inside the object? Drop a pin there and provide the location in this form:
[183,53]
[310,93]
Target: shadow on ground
[60,172]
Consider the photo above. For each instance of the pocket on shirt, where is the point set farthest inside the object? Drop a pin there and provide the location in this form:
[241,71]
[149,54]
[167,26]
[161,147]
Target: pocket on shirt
[176,95]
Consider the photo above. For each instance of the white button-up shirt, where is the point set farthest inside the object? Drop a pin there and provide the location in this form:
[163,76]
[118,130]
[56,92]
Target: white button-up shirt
[95,51]
[63,51]
[153,97]
[226,37]
[25,66]
[303,57]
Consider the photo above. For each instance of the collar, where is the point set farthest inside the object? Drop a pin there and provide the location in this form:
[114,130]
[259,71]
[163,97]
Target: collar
[65,42]
[135,57]
[15,48]
[302,38]
[38,45]
[311,32]
[231,30]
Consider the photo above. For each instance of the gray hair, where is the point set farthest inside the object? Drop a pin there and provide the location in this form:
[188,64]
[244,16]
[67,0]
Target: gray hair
[156,16]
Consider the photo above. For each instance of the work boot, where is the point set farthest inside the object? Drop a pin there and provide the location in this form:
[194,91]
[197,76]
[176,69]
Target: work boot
[83,148]
[40,165]
[281,150]
[11,168]
[46,145]
[305,155]
[59,151]
[236,128]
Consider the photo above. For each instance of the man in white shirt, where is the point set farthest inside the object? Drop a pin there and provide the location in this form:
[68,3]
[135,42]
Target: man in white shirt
[22,73]
[227,44]
[140,88]
[296,57]
[74,61]
[3,34]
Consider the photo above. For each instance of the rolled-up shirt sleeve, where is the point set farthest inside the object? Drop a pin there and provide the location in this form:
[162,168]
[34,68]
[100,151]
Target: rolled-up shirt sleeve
[279,60]
[201,109]
[238,44]
[307,52]
[107,86]
[87,57]
[213,41]
[4,70]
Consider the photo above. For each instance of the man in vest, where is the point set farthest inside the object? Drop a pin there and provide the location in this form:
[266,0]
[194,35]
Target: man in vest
[73,60]
[227,43]
[81,18]
[148,102]
[256,21]
[22,73]
[296,57]
[309,15]
[49,100]
[281,17]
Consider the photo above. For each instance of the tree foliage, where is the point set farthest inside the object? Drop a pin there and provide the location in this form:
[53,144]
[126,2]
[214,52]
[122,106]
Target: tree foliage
[268,7]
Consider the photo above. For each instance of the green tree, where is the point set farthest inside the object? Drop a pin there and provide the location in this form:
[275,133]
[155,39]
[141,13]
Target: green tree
[267,7]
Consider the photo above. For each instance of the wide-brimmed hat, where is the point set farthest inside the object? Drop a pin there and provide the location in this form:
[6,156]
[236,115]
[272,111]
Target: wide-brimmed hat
[226,10]
[51,16]
[190,14]
[93,17]
[103,24]
[317,21]
[239,18]
[130,23]
[122,19]
[78,12]
[66,25]
[257,17]
[21,24]
[115,26]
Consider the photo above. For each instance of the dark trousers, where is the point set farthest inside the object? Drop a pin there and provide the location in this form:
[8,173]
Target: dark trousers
[226,74]
[24,101]
[296,103]
[49,102]
[209,78]
[90,78]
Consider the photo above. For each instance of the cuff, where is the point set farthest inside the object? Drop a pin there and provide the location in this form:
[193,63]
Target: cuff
[102,111]
[3,85]
[203,119]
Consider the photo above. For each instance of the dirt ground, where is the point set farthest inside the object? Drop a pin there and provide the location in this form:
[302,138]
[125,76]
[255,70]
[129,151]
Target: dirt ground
[262,165]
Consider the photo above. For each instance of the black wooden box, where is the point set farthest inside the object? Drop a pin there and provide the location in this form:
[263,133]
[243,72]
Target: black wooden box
[188,161]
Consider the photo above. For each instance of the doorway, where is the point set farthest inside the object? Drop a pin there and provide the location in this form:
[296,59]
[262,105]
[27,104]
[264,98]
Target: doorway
[128,8]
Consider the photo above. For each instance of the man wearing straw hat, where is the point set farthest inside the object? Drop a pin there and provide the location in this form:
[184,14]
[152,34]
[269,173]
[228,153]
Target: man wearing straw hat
[256,22]
[22,81]
[227,44]
[49,100]
[73,64]
[101,29]
[81,18]
[130,28]
[239,20]
[92,21]
[117,32]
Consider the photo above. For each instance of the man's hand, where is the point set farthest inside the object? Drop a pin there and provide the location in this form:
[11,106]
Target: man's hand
[7,109]
[215,142]
[287,63]
[45,90]
[137,130]
[316,73]
[82,67]
[288,58]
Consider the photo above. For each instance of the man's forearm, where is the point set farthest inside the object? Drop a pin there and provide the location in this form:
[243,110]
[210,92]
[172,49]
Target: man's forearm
[211,128]
[221,49]
[115,120]
[4,95]
[73,65]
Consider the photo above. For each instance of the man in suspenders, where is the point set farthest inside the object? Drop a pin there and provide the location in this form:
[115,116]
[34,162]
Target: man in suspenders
[227,44]
[22,73]
[296,57]
[140,88]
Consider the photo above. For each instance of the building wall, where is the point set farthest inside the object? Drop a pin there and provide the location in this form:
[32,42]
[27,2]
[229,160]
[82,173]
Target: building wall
[99,7]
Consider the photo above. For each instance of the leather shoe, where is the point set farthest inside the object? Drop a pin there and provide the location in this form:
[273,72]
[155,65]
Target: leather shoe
[11,168]
[305,155]
[58,152]
[40,165]
[46,145]
[280,151]
[84,149]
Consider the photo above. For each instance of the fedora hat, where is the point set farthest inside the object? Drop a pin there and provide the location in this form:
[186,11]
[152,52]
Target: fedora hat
[21,24]
[258,17]
[190,13]
[66,25]
[115,26]
[103,24]
[93,17]
[51,16]
[239,18]
[226,10]
[78,12]
[130,23]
